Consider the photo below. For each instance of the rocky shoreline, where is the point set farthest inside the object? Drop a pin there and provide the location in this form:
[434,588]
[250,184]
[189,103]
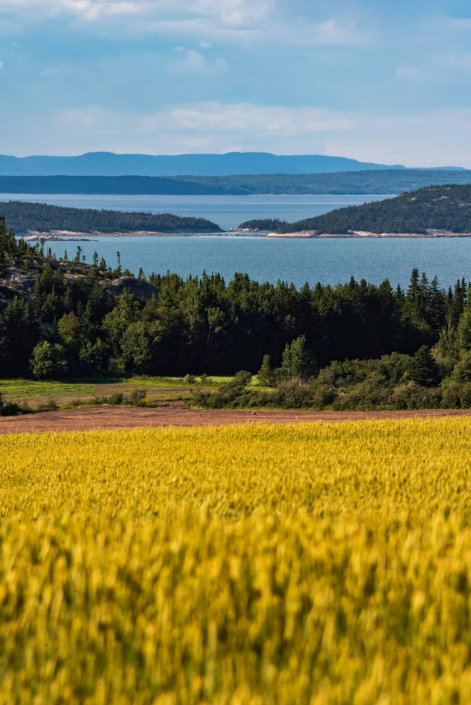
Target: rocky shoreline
[366,234]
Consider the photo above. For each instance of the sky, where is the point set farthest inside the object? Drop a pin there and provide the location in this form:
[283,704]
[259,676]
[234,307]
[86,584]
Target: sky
[386,81]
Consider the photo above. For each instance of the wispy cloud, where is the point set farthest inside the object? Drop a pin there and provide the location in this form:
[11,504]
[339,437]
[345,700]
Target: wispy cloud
[207,20]
[238,119]
[433,138]
[50,72]
[195,63]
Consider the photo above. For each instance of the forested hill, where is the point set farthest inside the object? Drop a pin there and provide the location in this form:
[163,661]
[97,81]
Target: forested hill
[387,181]
[116,185]
[435,207]
[23,217]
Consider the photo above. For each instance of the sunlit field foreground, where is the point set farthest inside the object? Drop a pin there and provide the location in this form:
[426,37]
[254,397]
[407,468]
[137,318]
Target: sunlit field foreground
[297,564]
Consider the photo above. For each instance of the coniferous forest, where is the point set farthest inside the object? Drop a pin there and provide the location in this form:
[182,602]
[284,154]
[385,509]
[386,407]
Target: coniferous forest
[435,207]
[352,345]
[24,216]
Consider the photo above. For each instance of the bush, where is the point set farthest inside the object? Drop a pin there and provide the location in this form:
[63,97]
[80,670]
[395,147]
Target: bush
[136,397]
[462,370]
[49,361]
[228,395]
[9,408]
[323,396]
[413,396]
[367,395]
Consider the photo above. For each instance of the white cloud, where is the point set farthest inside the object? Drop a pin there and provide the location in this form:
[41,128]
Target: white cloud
[193,62]
[89,9]
[434,138]
[427,139]
[199,127]
[1,65]
[208,20]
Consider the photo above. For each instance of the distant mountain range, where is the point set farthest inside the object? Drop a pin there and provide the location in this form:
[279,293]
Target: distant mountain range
[109,164]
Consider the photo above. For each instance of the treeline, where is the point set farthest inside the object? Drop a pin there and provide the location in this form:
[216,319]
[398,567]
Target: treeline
[435,207]
[263,224]
[387,181]
[114,185]
[23,217]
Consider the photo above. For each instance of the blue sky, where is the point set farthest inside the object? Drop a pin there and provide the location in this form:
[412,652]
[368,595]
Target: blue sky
[386,81]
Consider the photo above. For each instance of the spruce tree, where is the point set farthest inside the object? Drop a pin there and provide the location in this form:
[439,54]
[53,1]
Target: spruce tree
[266,374]
[424,369]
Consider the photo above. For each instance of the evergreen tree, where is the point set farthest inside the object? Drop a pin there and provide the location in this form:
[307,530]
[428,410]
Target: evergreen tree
[266,374]
[424,369]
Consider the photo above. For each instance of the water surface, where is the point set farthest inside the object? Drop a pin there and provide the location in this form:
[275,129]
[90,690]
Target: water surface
[329,261]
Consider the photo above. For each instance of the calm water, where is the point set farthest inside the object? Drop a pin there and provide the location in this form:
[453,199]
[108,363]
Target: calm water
[225,211]
[298,261]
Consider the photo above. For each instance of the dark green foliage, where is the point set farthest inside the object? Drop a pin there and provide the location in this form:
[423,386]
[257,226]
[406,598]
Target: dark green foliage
[298,361]
[9,408]
[48,361]
[267,224]
[435,207]
[40,217]
[423,369]
[266,374]
[228,395]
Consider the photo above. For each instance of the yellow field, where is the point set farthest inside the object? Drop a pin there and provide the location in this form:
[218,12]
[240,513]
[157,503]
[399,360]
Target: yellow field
[298,564]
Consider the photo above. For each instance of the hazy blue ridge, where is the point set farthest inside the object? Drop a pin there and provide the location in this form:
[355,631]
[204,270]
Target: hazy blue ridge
[109,164]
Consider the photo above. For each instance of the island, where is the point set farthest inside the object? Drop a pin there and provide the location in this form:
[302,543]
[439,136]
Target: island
[34,219]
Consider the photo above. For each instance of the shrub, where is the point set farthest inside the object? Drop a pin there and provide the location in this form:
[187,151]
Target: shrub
[49,361]
[9,408]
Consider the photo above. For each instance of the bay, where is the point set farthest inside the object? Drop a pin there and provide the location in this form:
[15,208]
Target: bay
[225,211]
[328,261]
[298,261]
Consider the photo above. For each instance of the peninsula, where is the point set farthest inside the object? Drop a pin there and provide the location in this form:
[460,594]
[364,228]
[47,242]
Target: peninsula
[436,211]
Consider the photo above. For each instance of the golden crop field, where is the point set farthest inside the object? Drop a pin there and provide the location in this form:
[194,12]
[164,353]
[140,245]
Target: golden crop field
[321,564]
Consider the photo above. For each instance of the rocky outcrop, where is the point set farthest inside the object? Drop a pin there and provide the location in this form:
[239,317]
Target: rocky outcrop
[140,289]
[17,280]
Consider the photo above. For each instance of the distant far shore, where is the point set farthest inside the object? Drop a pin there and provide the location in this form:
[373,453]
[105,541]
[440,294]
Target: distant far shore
[74,236]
